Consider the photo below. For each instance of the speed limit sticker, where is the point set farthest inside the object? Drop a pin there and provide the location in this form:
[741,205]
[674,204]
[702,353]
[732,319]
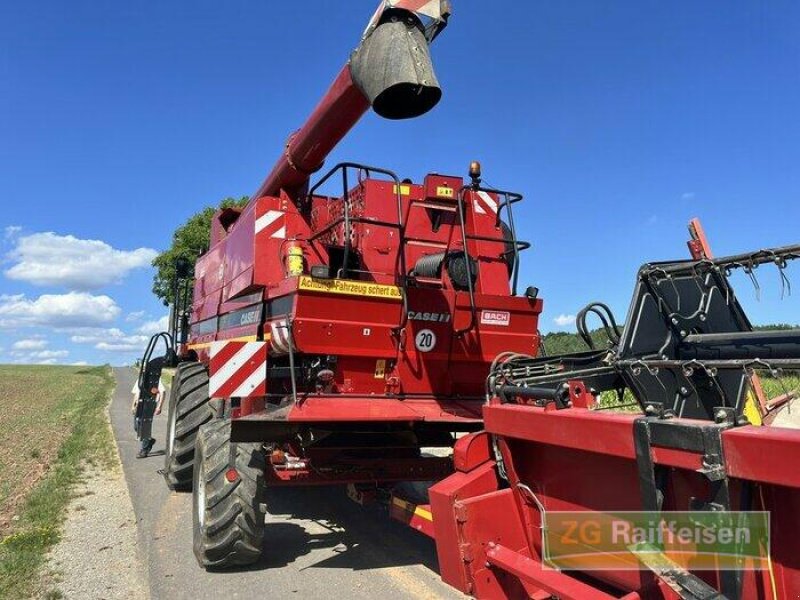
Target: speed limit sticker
[425,340]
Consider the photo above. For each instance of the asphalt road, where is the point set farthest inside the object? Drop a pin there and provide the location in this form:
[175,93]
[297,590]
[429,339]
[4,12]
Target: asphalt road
[318,544]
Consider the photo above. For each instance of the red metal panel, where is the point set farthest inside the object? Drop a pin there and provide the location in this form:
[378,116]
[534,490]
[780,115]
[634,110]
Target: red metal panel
[327,323]
[491,518]
[606,433]
[351,409]
[561,454]
[472,353]
[769,454]
[424,372]
[453,558]
[471,451]
[483,221]
[275,220]
[554,582]
[442,187]
[239,254]
[316,409]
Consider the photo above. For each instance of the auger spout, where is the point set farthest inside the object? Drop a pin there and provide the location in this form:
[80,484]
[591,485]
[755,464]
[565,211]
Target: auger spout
[390,70]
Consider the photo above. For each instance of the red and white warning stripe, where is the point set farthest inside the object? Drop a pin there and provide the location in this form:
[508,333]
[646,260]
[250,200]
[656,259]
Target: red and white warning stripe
[280,341]
[433,9]
[429,8]
[484,204]
[238,369]
[272,224]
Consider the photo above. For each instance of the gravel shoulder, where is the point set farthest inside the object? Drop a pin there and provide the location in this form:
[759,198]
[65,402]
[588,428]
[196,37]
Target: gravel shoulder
[97,556]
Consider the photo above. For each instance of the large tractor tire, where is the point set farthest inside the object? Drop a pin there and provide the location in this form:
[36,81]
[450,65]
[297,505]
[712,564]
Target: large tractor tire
[188,411]
[227,515]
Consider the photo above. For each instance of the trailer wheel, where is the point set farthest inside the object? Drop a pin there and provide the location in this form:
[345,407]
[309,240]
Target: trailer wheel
[188,410]
[228,521]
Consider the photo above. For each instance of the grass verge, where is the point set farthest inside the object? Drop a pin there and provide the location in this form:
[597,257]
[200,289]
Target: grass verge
[43,404]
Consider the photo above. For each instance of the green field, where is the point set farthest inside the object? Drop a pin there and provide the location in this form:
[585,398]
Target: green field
[774,387]
[53,423]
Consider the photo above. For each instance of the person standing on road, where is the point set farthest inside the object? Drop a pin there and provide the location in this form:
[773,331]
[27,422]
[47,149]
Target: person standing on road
[146,403]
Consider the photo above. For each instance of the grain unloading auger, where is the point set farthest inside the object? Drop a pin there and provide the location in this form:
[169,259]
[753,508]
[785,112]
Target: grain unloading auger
[332,337]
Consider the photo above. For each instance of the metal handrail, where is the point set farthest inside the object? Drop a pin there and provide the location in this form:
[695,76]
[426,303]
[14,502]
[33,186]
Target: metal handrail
[151,345]
[472,311]
[400,275]
[509,198]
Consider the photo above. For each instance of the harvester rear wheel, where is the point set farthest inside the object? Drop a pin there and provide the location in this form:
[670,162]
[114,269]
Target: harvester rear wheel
[228,521]
[188,410]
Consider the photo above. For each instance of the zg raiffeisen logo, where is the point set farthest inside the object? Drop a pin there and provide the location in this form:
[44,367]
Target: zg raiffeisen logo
[696,541]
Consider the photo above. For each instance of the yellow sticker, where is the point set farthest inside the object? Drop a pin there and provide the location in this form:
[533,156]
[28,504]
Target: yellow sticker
[349,288]
[444,192]
[380,369]
[412,508]
[751,410]
[405,190]
[244,338]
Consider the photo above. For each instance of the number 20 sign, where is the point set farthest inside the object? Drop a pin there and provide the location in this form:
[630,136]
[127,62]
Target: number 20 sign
[425,340]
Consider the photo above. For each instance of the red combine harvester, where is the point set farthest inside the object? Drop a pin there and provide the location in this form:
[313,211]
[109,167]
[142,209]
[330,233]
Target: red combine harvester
[338,335]
[332,337]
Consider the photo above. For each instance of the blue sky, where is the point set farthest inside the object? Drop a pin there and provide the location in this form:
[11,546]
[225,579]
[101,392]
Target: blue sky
[619,121]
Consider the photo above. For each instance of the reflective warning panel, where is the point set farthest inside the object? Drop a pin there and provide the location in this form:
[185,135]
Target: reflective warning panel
[238,369]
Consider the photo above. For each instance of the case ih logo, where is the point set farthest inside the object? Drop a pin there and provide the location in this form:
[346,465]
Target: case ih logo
[495,317]
[433,317]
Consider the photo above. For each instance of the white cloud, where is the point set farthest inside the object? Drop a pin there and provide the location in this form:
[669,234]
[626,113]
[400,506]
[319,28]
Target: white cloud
[135,316]
[687,196]
[79,363]
[111,335]
[64,260]
[29,344]
[42,357]
[47,354]
[120,347]
[60,311]
[153,327]
[11,231]
[564,320]
[92,335]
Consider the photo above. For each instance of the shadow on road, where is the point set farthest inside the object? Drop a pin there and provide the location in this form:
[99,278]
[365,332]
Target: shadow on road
[302,520]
